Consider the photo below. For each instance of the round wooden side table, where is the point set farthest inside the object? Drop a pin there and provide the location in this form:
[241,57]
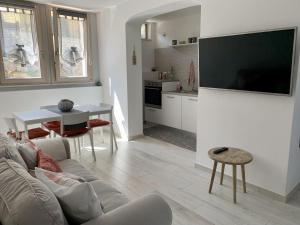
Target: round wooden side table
[234,157]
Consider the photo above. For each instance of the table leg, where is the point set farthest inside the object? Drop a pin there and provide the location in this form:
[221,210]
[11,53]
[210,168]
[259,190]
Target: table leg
[213,176]
[26,131]
[234,182]
[222,173]
[111,132]
[244,178]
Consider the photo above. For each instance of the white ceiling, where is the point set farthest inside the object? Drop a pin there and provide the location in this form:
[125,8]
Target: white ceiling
[91,5]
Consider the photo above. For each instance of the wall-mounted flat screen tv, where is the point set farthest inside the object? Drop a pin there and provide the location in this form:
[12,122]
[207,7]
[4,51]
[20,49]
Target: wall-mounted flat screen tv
[258,62]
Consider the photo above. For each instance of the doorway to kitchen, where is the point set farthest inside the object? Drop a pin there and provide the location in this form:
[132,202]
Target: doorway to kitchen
[170,76]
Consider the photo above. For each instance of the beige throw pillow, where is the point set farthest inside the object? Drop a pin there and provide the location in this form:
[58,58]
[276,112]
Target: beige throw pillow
[79,201]
[24,199]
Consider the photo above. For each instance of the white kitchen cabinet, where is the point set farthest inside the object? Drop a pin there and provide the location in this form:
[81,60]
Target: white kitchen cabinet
[189,113]
[171,110]
[153,115]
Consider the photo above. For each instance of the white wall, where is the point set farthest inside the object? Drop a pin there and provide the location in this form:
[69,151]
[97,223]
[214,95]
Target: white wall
[148,47]
[18,101]
[293,175]
[179,25]
[261,124]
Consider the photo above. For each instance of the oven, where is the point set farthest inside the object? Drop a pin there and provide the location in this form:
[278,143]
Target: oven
[152,93]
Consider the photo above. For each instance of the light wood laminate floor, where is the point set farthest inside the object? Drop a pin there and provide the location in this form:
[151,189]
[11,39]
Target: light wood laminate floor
[148,165]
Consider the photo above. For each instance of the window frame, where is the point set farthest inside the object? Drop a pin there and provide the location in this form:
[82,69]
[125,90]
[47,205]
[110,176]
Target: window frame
[148,27]
[55,34]
[47,40]
[42,45]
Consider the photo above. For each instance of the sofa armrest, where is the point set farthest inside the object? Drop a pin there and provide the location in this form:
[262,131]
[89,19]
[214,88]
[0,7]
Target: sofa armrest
[148,210]
[58,148]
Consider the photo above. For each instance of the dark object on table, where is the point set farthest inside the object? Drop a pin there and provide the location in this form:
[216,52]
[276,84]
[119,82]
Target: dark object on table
[65,105]
[190,40]
[194,40]
[174,42]
[220,150]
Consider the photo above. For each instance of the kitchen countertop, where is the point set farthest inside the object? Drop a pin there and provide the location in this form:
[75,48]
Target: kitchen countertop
[182,93]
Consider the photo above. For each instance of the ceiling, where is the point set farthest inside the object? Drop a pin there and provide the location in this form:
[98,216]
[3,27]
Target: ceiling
[91,5]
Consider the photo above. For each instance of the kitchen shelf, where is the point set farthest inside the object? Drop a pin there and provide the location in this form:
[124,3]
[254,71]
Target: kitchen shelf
[183,45]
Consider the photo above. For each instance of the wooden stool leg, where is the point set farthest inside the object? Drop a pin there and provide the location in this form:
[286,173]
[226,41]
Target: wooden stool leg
[222,173]
[244,178]
[234,182]
[213,176]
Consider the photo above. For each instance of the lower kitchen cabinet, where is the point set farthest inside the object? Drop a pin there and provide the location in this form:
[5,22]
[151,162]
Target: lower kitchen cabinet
[171,110]
[178,111]
[189,113]
[153,115]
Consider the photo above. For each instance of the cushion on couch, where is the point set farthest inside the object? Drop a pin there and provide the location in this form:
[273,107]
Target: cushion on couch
[74,167]
[28,152]
[46,162]
[24,199]
[110,198]
[79,201]
[11,152]
[65,179]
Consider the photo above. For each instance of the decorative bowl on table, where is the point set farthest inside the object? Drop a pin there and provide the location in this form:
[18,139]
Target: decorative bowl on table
[65,105]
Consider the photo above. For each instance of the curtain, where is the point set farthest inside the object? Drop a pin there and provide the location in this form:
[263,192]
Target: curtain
[72,46]
[20,46]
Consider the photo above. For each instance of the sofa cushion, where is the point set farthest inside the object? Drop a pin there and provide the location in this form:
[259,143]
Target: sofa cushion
[79,201]
[74,167]
[11,152]
[23,196]
[28,152]
[3,143]
[65,179]
[110,198]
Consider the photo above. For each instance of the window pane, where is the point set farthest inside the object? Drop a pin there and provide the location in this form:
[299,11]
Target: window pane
[143,31]
[19,45]
[72,35]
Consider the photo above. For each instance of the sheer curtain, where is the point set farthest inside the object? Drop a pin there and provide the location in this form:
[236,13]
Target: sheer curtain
[72,46]
[20,46]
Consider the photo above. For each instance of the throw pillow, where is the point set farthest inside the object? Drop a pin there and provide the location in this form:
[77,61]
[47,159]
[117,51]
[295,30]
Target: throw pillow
[46,162]
[28,151]
[26,200]
[79,202]
[64,179]
[3,143]
[11,152]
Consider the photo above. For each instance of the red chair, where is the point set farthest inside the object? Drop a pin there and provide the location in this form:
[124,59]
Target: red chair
[14,132]
[52,125]
[96,123]
[75,126]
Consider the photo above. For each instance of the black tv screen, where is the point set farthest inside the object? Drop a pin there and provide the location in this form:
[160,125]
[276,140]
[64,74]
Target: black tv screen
[259,62]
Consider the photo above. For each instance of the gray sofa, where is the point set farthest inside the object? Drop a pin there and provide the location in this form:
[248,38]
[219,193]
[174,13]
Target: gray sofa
[118,210]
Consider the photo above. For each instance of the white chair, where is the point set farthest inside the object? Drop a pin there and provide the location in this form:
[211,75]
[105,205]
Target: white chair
[75,126]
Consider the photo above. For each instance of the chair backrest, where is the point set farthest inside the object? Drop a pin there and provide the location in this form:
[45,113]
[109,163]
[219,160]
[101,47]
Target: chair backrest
[74,120]
[12,126]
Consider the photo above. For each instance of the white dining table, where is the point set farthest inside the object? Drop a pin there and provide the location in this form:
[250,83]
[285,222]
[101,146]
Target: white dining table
[52,113]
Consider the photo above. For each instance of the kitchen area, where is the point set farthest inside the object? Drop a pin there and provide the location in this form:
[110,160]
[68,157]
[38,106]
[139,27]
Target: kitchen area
[170,76]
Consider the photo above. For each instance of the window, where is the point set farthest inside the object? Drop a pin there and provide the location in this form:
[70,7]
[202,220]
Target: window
[146,31]
[71,46]
[40,44]
[19,45]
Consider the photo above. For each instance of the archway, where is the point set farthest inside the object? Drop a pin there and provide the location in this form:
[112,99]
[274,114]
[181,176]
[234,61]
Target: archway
[134,72]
